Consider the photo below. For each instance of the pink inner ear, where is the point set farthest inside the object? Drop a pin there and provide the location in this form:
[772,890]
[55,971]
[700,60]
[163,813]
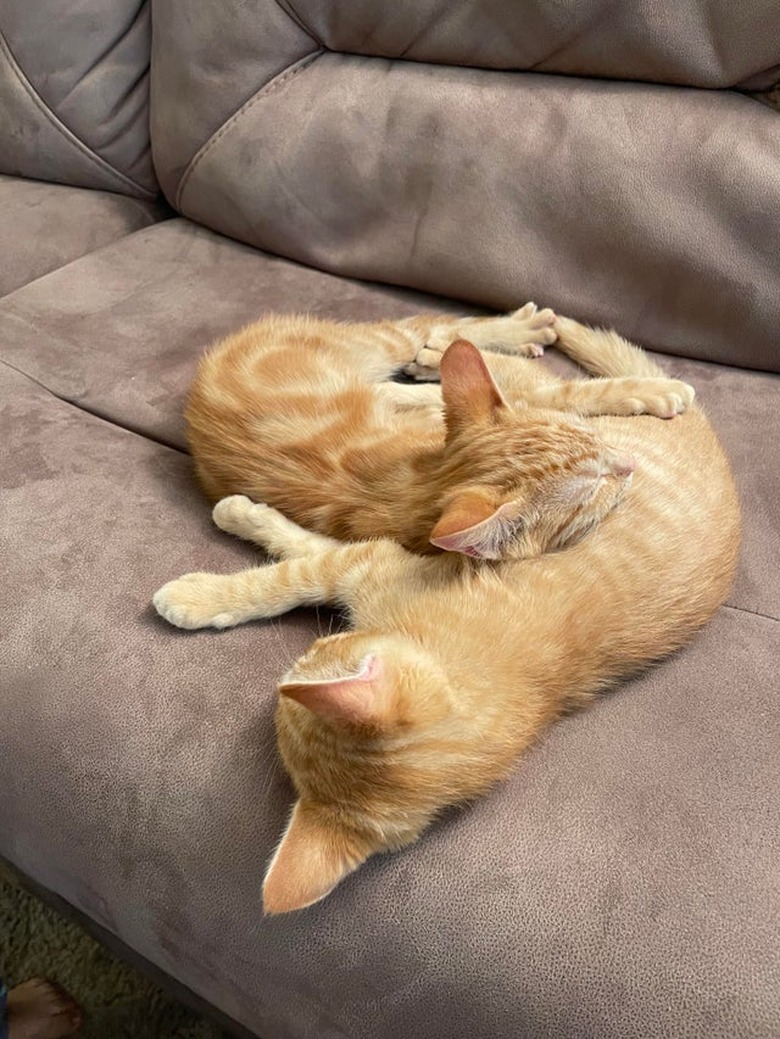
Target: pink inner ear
[351,698]
[458,543]
[481,540]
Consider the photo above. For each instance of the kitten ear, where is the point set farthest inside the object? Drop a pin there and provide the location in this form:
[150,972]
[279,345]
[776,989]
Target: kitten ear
[467,387]
[472,526]
[346,698]
[312,858]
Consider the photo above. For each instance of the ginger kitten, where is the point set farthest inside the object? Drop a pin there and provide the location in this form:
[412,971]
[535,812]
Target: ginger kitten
[454,666]
[299,413]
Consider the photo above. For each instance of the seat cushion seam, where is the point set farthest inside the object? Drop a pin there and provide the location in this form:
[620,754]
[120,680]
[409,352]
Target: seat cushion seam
[753,613]
[92,412]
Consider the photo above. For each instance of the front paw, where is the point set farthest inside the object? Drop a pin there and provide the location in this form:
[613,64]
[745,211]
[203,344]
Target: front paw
[425,366]
[663,398]
[197,601]
[237,514]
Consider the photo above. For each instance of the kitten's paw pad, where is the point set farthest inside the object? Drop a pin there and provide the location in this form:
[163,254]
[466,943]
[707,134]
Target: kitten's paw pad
[537,329]
[236,513]
[196,601]
[668,398]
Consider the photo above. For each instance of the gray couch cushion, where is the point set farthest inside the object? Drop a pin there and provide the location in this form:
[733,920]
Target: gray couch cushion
[44,226]
[623,884]
[706,43]
[74,93]
[655,208]
[159,298]
[119,333]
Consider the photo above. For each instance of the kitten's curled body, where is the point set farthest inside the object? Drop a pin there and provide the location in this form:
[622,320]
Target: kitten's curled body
[300,413]
[455,666]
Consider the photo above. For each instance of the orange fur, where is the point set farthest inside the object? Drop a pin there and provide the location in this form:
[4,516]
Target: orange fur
[453,667]
[298,413]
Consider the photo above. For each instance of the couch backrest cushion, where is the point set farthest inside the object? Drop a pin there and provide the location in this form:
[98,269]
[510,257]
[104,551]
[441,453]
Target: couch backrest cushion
[706,43]
[655,208]
[74,93]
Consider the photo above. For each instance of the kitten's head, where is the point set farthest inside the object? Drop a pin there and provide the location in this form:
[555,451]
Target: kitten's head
[369,733]
[519,481]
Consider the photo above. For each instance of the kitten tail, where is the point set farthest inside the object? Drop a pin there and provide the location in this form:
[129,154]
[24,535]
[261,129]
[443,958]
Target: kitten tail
[603,352]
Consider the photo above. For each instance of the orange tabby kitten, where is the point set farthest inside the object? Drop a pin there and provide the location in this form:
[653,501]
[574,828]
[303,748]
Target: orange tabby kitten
[454,667]
[298,413]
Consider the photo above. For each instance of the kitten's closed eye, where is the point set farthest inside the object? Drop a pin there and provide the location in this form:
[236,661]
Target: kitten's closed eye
[578,489]
[581,488]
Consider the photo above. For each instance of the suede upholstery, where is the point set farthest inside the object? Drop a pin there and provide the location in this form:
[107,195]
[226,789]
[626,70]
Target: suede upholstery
[74,93]
[44,226]
[161,296]
[653,207]
[574,37]
[623,883]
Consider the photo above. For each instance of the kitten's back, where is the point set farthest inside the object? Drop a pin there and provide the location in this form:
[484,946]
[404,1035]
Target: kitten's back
[296,390]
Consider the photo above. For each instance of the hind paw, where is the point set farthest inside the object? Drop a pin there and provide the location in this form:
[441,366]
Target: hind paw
[536,330]
[663,398]
[425,366]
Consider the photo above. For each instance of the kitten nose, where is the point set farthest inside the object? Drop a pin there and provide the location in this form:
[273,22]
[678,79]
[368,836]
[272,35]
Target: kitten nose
[624,465]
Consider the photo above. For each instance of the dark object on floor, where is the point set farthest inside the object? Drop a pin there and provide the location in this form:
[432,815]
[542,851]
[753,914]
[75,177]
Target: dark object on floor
[119,1002]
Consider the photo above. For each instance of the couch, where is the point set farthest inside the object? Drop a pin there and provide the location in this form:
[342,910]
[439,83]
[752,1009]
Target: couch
[360,160]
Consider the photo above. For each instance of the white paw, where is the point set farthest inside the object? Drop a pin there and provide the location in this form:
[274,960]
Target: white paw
[669,397]
[537,329]
[237,513]
[197,601]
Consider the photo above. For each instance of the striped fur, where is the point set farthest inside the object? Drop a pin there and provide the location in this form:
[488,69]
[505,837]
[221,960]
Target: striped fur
[452,666]
[299,413]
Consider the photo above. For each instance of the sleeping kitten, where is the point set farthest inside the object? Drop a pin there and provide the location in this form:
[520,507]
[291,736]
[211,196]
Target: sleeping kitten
[298,413]
[453,667]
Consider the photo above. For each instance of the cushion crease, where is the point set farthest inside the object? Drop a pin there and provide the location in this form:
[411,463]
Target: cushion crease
[65,131]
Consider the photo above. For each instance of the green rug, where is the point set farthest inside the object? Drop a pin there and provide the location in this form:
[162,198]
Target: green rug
[119,1002]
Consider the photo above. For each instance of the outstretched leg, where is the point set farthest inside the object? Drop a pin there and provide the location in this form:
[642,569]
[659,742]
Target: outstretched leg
[317,570]
[524,333]
[636,385]
[268,528]
[377,350]
[202,600]
[640,388]
[663,398]
[420,403]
